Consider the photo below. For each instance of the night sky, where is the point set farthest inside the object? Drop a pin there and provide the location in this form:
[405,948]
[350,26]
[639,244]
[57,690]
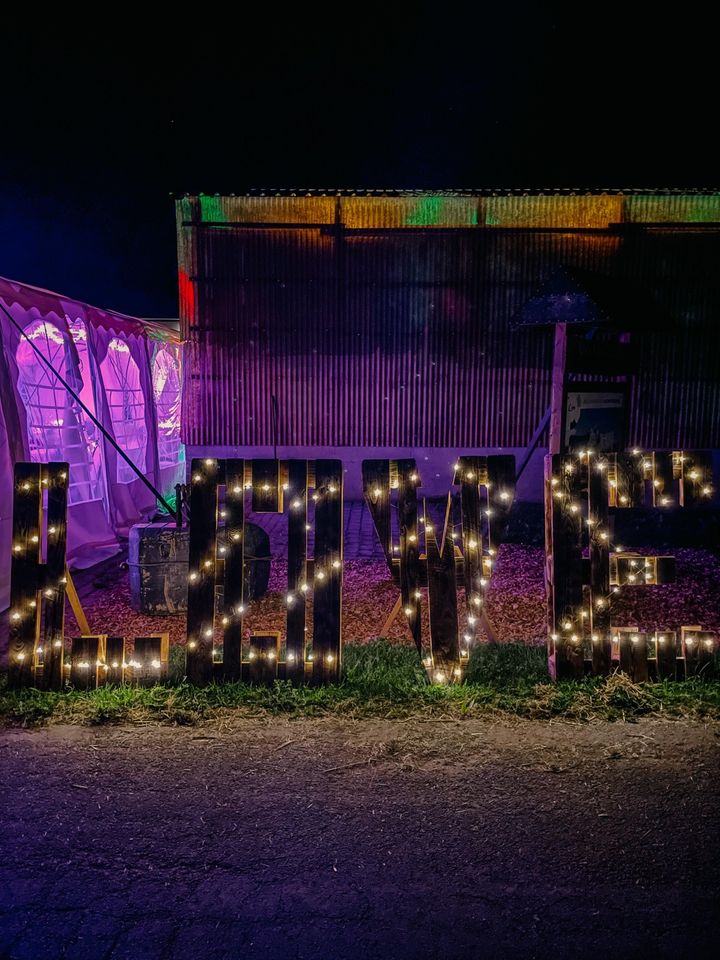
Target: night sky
[98,129]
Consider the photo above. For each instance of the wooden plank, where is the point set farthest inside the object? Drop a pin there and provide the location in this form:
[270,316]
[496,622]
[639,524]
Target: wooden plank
[206,474]
[696,479]
[599,550]
[296,633]
[558,390]
[55,479]
[410,595]
[563,567]
[328,572]
[267,492]
[666,653]
[25,574]
[85,663]
[632,650]
[263,656]
[442,602]
[149,664]
[75,604]
[627,486]
[697,646]
[500,497]
[376,490]
[231,553]
[114,656]
[468,475]
[663,493]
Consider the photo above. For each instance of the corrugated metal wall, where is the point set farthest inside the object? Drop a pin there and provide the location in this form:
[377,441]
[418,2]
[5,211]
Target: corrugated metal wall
[385,321]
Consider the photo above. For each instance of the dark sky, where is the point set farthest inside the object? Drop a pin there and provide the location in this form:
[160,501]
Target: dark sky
[100,125]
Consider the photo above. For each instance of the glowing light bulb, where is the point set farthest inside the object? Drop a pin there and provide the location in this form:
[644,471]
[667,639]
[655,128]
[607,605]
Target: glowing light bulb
[237,489]
[408,611]
[320,574]
[296,504]
[377,492]
[304,587]
[192,576]
[336,564]
[413,478]
[418,595]
[208,563]
[290,657]
[329,658]
[472,544]
[196,478]
[265,487]
[428,528]
[332,488]
[192,644]
[290,599]
[208,632]
[52,529]
[504,495]
[412,538]
[16,616]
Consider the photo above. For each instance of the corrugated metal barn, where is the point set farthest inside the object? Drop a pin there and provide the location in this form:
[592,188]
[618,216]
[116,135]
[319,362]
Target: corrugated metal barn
[385,321]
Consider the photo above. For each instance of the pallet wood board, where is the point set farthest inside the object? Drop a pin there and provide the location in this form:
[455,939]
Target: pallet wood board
[327,571]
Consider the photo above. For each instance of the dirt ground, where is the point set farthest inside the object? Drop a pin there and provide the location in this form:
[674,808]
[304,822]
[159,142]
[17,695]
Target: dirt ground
[374,839]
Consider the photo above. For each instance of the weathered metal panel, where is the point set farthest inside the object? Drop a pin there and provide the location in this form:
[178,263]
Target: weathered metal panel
[362,332]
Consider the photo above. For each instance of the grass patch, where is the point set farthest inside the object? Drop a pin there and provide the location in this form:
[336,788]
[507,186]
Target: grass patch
[379,680]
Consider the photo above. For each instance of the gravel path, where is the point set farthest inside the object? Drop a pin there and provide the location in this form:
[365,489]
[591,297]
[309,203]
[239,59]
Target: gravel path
[328,839]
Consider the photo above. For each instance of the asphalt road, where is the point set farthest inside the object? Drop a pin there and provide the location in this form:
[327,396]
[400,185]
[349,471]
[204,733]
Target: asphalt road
[328,839]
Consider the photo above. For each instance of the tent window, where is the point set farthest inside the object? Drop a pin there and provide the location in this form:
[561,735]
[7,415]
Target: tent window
[121,379]
[57,427]
[166,390]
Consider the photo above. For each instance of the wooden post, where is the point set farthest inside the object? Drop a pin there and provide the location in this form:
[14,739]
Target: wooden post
[297,571]
[206,475]
[662,479]
[599,540]
[85,663]
[328,571]
[563,567]
[25,573]
[442,602]
[695,477]
[233,567]
[55,477]
[409,548]
[267,493]
[470,473]
[376,489]
[149,665]
[666,652]
[556,443]
[627,486]
[114,656]
[263,658]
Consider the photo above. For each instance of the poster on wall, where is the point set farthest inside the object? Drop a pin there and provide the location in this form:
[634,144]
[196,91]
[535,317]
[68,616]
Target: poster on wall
[595,417]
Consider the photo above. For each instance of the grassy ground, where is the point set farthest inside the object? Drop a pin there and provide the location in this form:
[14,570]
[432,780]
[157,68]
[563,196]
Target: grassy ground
[381,680]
